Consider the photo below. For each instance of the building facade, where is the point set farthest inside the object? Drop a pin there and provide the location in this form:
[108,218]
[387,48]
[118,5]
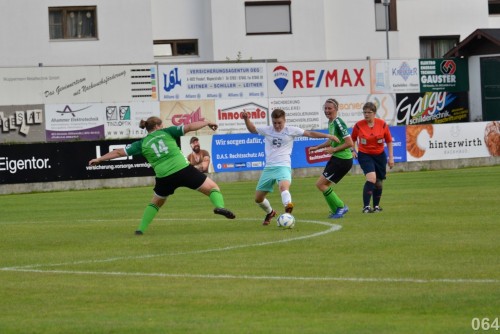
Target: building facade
[69,32]
[317,29]
[39,32]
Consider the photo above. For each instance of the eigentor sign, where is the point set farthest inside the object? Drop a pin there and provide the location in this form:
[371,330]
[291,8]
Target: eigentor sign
[49,162]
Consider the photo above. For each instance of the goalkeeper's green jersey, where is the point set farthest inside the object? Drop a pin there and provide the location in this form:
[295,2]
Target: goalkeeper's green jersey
[161,150]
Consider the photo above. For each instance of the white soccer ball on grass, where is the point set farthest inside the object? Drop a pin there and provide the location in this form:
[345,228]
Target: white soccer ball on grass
[286,220]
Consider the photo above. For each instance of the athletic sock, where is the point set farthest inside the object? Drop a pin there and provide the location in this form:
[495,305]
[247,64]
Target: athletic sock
[286,197]
[216,198]
[265,205]
[377,196]
[333,200]
[148,216]
[368,191]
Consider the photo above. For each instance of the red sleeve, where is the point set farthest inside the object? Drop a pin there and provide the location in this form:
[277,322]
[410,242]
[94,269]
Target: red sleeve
[354,134]
[387,134]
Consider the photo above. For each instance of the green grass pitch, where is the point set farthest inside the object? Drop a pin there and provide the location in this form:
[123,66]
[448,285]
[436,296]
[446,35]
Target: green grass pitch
[429,263]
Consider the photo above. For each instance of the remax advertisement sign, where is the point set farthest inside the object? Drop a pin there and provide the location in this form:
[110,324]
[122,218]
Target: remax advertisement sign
[318,78]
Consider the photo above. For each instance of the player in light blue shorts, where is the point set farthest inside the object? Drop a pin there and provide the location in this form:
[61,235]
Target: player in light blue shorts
[273,175]
[278,145]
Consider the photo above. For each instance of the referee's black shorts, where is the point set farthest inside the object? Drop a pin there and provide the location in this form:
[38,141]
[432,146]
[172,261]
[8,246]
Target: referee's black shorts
[373,163]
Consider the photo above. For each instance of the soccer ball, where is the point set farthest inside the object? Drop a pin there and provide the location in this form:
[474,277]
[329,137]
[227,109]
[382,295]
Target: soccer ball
[286,220]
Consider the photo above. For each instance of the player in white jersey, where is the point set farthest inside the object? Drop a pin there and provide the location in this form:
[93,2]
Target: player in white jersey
[278,144]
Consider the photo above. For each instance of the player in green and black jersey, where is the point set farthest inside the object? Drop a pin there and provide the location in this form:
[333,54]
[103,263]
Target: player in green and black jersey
[171,168]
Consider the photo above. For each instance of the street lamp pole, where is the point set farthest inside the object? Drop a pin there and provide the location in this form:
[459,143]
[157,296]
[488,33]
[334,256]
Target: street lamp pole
[386,4]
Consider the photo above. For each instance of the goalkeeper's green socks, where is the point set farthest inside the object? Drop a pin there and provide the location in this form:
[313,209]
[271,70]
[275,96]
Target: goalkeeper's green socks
[332,200]
[148,216]
[216,198]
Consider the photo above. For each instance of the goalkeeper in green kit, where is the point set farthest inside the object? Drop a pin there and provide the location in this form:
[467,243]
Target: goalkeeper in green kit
[172,169]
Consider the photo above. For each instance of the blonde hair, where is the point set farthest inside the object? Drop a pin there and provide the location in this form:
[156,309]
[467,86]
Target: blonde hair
[334,102]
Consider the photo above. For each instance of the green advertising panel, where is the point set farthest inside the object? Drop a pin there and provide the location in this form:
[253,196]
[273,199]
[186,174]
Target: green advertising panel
[443,75]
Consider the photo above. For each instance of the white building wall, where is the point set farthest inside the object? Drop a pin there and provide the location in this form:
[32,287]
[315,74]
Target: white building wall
[475,89]
[307,42]
[435,18]
[494,21]
[186,19]
[475,102]
[351,33]
[321,29]
[124,34]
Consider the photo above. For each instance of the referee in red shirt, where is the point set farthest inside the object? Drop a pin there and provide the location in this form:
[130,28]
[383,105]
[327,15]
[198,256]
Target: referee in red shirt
[370,134]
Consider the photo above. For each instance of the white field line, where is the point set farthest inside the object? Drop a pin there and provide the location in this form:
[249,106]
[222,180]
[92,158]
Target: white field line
[248,277]
[332,228]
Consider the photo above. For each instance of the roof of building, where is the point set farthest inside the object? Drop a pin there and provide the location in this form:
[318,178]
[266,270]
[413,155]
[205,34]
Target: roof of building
[480,42]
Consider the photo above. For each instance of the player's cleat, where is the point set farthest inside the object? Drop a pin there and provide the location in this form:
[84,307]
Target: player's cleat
[139,232]
[340,212]
[377,209]
[367,209]
[289,207]
[224,212]
[269,216]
